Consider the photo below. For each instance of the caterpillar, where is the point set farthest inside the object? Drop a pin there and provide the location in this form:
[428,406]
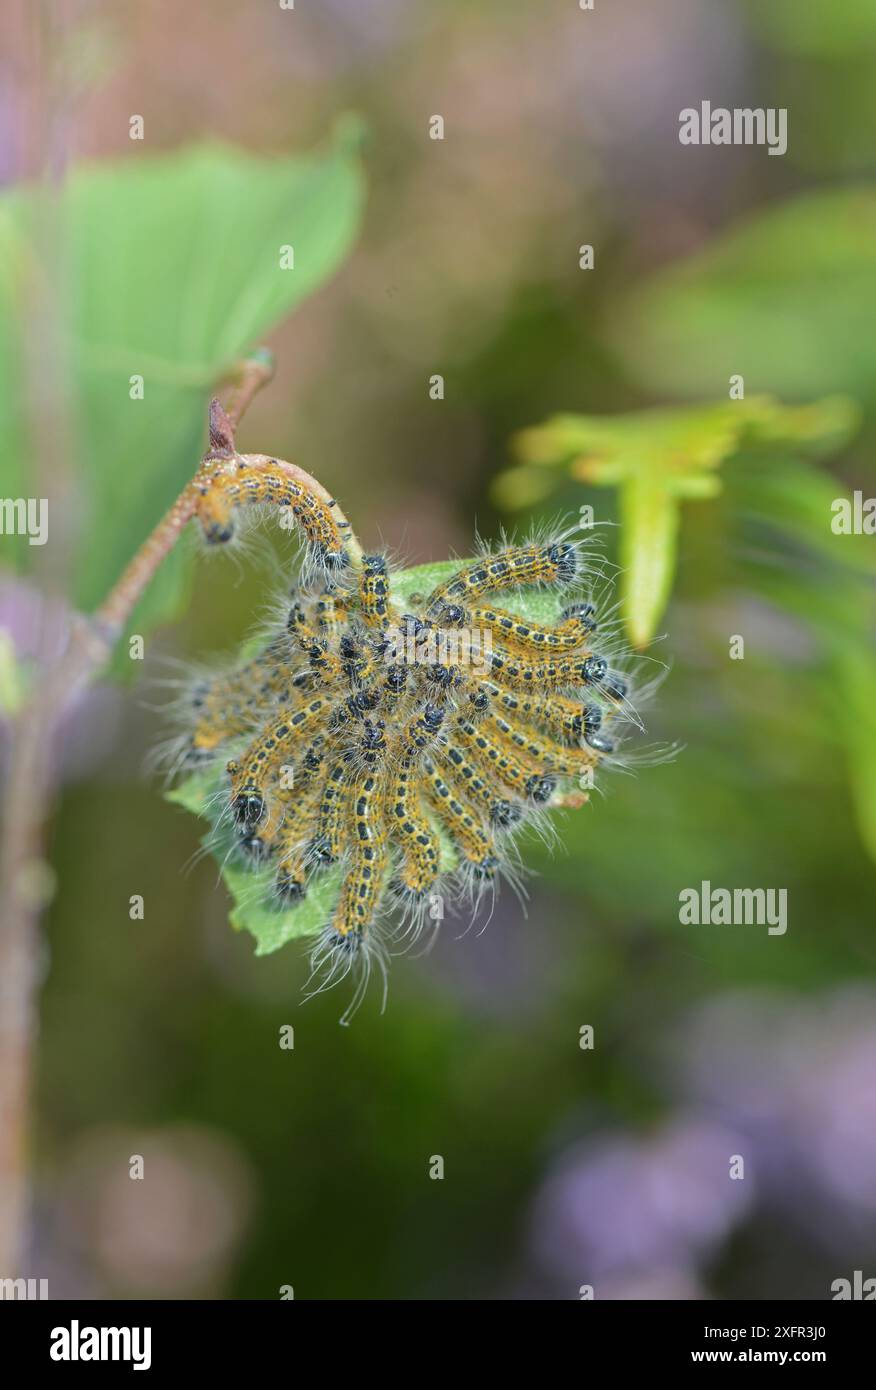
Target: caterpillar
[414,766]
[530,639]
[406,819]
[513,567]
[227,486]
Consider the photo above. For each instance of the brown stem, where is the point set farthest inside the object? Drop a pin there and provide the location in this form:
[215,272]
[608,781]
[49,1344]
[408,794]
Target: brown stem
[256,372]
[110,618]
[24,875]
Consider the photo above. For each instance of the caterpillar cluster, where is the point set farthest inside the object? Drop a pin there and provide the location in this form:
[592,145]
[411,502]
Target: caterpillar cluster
[372,737]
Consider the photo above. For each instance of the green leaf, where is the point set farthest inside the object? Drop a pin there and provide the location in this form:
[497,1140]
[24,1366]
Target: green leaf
[855,670]
[649,544]
[254,907]
[828,581]
[800,501]
[412,585]
[173,273]
[657,458]
[785,298]
[679,442]
[254,912]
[194,793]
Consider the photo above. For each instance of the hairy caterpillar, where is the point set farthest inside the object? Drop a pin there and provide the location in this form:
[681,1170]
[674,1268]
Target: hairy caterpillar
[408,759]
[225,487]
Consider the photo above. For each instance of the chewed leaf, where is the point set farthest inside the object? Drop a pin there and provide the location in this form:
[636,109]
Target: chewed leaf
[538,605]
[195,793]
[253,910]
[272,928]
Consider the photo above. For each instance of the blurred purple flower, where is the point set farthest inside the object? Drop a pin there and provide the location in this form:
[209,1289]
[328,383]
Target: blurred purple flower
[39,627]
[796,1077]
[619,1207]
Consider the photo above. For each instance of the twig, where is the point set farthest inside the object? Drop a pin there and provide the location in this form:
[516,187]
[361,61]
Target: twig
[110,618]
[257,372]
[27,803]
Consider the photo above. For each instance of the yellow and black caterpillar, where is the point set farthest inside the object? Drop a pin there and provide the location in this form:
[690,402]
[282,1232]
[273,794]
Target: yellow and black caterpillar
[370,736]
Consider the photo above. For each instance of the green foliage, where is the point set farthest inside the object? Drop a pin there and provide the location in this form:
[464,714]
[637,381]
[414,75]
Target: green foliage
[254,910]
[748,452]
[829,582]
[538,605]
[169,269]
[817,30]
[659,458]
[786,298]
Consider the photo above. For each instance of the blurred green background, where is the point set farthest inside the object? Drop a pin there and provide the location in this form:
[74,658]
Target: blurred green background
[563,1167]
